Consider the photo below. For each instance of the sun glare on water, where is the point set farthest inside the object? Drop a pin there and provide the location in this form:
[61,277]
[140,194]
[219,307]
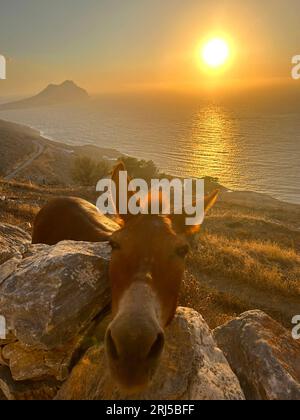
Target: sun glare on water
[215,53]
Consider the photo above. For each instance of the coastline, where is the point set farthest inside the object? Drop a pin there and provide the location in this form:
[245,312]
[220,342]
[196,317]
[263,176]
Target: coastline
[111,155]
[114,151]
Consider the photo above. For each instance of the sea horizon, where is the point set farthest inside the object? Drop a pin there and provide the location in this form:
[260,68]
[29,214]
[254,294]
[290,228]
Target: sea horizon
[242,147]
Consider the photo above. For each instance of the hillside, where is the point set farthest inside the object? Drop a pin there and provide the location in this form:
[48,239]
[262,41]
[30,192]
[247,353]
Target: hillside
[16,142]
[27,156]
[66,92]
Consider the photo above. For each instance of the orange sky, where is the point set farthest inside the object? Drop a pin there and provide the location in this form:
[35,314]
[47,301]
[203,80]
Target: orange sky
[137,45]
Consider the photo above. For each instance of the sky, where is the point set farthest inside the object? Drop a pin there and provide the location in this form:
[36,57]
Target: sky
[115,45]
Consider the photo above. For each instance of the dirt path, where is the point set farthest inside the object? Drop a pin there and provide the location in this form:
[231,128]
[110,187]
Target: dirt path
[285,306]
[40,148]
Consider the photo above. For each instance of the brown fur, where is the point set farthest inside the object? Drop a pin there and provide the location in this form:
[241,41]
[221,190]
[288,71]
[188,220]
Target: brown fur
[146,268]
[71,218]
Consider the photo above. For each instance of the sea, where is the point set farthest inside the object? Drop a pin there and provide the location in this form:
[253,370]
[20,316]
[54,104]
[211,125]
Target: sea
[246,147]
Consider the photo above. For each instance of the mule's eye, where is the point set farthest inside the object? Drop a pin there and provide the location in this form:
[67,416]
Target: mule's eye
[182,251]
[114,245]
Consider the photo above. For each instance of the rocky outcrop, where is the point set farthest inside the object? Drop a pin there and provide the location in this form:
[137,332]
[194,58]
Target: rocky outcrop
[52,299]
[54,294]
[13,242]
[192,367]
[264,356]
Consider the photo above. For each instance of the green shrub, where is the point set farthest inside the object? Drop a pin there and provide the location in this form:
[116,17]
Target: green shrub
[88,172]
[141,168]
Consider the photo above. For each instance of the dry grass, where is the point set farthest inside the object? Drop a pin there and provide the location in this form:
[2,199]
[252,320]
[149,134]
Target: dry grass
[18,214]
[263,265]
[244,250]
[254,269]
[216,307]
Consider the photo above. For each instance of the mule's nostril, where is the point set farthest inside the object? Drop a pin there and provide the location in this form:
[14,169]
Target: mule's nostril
[157,347]
[111,346]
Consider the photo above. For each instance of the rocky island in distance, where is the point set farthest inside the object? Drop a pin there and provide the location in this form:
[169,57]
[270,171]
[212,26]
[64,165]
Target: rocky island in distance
[64,93]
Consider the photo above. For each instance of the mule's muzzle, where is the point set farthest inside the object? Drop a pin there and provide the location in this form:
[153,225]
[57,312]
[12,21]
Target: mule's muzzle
[133,347]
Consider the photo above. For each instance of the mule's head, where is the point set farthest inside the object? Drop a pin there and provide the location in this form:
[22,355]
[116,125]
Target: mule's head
[147,265]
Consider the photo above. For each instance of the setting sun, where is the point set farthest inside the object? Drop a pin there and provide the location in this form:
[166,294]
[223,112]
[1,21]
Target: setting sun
[215,53]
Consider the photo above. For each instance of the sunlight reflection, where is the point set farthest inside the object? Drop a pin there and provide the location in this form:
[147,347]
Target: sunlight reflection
[214,134]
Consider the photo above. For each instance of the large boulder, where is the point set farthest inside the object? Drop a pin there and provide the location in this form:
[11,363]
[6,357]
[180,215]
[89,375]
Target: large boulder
[53,300]
[28,363]
[54,293]
[264,356]
[192,367]
[13,242]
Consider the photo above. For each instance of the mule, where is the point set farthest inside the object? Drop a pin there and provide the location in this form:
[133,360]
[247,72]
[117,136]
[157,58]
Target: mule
[73,219]
[146,268]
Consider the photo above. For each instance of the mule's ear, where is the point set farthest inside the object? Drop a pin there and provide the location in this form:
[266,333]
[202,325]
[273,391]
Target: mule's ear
[210,200]
[120,167]
[179,220]
[120,194]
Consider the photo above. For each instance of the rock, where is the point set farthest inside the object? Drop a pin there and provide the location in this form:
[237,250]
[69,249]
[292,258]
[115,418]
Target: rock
[52,299]
[9,267]
[26,363]
[11,390]
[55,292]
[263,355]
[192,367]
[13,242]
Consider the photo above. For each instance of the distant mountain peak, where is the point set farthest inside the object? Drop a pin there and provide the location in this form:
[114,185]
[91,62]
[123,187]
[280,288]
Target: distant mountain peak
[68,86]
[64,84]
[68,82]
[53,94]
